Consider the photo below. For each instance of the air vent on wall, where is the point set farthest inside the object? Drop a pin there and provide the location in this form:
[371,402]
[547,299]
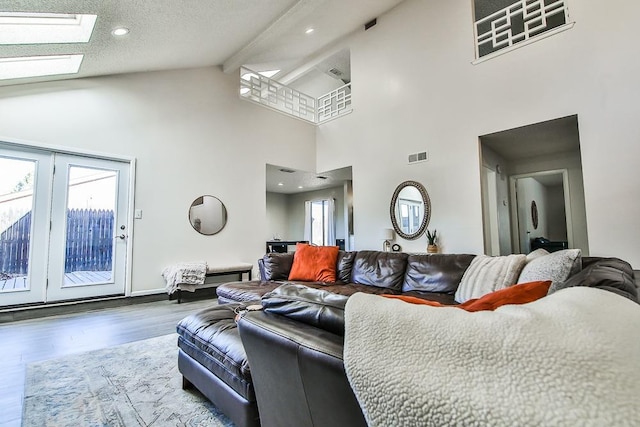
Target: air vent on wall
[287,170]
[321,177]
[370,24]
[335,72]
[422,156]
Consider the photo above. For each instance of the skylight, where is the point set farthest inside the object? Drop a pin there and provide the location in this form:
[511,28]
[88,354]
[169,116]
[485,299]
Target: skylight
[37,66]
[267,74]
[37,28]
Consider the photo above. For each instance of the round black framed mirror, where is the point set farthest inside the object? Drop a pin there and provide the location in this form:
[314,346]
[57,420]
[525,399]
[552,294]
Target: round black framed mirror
[207,215]
[410,210]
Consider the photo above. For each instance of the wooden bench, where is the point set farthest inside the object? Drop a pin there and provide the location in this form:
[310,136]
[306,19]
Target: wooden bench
[216,270]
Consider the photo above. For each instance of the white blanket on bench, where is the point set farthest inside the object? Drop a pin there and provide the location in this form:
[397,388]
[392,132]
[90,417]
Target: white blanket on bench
[569,359]
[184,273]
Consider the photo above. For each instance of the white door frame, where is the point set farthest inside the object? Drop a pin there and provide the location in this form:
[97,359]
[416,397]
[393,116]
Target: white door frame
[515,233]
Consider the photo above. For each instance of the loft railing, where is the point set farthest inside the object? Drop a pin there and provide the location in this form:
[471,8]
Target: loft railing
[334,104]
[270,93]
[521,22]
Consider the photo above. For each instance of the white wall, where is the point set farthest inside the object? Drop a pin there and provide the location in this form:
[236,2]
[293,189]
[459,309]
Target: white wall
[530,190]
[491,160]
[414,88]
[188,131]
[556,217]
[277,217]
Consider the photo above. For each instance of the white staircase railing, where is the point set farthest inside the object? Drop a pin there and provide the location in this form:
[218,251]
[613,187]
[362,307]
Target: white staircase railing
[524,20]
[270,93]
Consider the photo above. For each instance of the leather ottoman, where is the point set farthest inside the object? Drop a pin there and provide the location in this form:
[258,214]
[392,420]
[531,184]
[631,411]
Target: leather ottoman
[211,358]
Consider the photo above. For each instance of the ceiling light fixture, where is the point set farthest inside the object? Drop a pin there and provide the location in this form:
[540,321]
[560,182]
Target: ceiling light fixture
[280,184]
[309,31]
[37,66]
[38,28]
[120,31]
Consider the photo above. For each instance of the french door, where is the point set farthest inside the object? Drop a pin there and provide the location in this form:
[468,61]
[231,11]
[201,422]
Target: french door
[63,226]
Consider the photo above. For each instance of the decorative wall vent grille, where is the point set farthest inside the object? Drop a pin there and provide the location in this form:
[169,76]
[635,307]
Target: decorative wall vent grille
[522,22]
[273,94]
[422,156]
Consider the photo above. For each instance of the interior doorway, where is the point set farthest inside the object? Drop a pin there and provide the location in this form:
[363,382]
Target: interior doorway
[302,205]
[543,156]
[541,209]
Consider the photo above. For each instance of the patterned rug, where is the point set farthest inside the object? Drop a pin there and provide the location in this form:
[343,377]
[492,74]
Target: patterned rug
[135,384]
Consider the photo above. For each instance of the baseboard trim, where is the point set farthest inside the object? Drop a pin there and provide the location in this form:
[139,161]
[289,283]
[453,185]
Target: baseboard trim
[148,292]
[26,312]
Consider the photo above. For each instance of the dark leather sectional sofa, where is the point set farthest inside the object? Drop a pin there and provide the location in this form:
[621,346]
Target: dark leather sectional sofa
[294,345]
[435,277]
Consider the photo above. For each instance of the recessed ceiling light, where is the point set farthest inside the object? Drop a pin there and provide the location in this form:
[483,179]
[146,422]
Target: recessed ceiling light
[309,31]
[121,31]
[37,66]
[280,184]
[36,28]
[299,186]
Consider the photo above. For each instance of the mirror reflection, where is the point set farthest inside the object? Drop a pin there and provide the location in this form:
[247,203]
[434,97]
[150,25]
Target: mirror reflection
[410,210]
[207,215]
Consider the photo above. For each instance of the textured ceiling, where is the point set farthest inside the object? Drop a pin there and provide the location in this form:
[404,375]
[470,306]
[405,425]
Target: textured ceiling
[309,181]
[167,34]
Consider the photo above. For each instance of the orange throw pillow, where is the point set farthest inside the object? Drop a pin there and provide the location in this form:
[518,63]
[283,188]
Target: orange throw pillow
[517,294]
[314,263]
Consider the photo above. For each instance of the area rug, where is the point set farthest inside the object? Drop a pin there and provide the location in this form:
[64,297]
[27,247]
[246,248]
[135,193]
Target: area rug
[135,384]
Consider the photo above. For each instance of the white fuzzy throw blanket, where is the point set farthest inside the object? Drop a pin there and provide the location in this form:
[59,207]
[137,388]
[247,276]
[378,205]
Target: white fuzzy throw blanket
[184,275]
[569,359]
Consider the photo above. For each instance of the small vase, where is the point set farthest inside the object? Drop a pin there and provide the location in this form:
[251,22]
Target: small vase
[432,249]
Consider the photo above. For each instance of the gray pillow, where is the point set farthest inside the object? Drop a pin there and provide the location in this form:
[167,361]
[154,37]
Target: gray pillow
[557,266]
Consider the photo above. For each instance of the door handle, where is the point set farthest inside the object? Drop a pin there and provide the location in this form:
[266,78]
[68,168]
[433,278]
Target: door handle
[122,237]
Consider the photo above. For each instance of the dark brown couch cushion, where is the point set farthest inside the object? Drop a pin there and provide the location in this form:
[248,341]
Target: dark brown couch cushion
[609,274]
[276,266]
[381,269]
[315,307]
[344,266]
[435,273]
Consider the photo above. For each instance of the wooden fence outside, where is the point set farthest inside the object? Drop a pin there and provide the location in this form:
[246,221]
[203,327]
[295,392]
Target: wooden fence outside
[89,244]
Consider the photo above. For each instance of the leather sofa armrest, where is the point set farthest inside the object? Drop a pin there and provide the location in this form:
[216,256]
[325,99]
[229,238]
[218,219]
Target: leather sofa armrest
[298,373]
[316,307]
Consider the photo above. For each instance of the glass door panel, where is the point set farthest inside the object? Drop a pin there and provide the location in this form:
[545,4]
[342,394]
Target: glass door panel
[89,228]
[91,203]
[23,225]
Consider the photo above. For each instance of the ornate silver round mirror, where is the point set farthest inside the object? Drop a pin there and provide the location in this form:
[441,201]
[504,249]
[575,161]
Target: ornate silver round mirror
[410,210]
[207,215]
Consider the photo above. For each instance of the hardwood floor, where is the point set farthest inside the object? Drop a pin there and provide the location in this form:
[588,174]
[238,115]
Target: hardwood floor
[26,341]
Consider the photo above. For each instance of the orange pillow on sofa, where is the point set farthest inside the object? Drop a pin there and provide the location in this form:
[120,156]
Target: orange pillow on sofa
[517,294]
[314,263]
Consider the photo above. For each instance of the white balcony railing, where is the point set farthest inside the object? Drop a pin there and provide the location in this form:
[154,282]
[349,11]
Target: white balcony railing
[523,21]
[270,93]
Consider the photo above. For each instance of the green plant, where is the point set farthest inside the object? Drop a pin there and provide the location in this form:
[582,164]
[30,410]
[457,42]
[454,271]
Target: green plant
[432,237]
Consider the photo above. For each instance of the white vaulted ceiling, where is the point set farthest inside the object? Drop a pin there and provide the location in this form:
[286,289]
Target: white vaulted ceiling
[169,34]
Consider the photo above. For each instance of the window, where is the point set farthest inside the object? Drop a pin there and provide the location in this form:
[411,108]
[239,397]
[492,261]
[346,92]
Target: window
[501,25]
[320,223]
